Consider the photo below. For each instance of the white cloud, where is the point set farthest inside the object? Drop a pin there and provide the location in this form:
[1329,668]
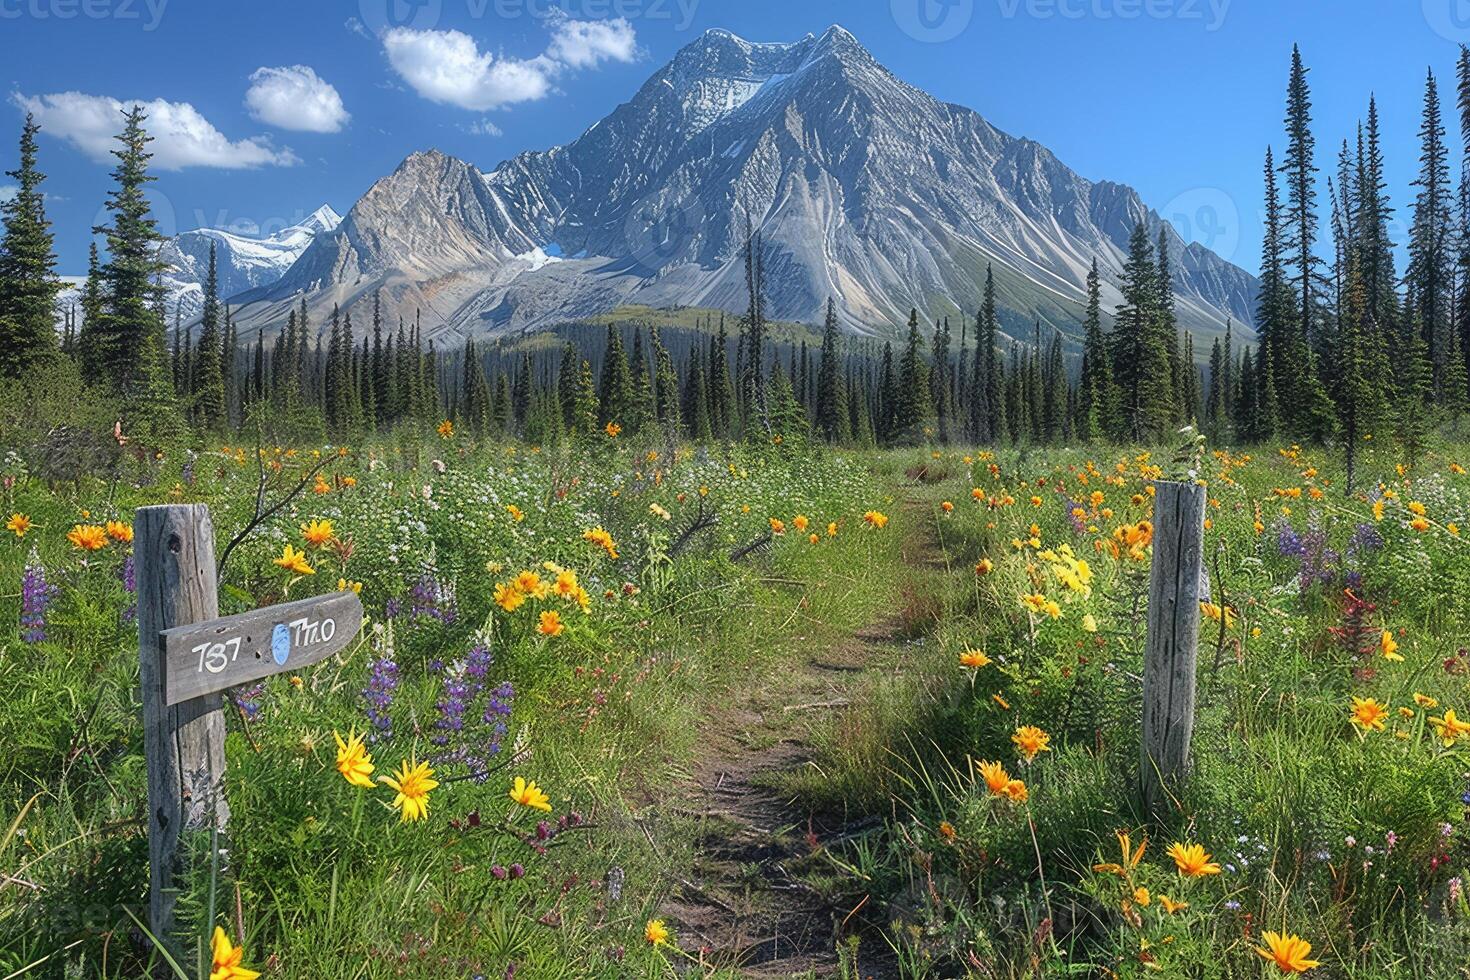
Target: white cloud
[295,97]
[181,136]
[449,67]
[586,43]
[480,127]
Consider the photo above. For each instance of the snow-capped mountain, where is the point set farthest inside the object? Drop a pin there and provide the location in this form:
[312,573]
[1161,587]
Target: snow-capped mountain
[242,262]
[864,188]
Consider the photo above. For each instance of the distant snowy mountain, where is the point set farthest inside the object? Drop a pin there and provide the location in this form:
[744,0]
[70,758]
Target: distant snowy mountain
[242,262]
[865,189]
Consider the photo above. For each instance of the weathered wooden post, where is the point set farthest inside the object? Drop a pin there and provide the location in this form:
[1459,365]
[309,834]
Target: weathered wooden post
[173,549]
[1173,642]
[188,656]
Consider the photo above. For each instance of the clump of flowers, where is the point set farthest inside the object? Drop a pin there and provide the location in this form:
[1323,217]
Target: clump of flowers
[430,598]
[225,959]
[381,686]
[473,715]
[412,783]
[602,539]
[36,595]
[1288,952]
[87,537]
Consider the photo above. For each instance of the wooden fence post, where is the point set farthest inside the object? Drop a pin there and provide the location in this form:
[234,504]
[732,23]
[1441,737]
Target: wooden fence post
[173,549]
[1173,642]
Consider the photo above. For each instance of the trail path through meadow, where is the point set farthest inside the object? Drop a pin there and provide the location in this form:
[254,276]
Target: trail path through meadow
[749,901]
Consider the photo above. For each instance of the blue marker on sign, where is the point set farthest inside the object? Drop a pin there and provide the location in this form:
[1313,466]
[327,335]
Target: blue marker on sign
[281,643]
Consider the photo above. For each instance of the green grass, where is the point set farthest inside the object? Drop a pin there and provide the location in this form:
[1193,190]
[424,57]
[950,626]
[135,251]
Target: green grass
[611,716]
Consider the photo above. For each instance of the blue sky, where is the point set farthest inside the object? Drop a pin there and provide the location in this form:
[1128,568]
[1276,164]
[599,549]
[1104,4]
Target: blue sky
[277,107]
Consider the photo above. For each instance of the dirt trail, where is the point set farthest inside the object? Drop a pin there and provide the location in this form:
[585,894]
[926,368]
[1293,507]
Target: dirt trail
[748,902]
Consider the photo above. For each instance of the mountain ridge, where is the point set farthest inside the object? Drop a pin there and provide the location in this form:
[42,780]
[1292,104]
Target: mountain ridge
[865,188]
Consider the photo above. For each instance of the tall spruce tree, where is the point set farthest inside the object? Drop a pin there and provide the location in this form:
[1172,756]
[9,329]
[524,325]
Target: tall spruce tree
[28,283]
[208,383]
[1430,275]
[614,393]
[832,416]
[129,338]
[1140,357]
[915,407]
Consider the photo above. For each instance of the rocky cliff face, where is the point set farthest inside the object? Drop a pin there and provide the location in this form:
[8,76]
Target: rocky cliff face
[864,187]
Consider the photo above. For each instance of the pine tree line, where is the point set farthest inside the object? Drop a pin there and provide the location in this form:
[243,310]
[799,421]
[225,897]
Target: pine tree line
[1343,348]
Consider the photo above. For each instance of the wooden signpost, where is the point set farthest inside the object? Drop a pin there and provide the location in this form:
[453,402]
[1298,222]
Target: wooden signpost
[1172,650]
[188,656]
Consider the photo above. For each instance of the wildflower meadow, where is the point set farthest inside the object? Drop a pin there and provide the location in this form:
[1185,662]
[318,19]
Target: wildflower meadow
[494,777]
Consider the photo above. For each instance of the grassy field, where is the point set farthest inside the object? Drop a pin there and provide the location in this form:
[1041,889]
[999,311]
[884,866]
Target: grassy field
[832,668]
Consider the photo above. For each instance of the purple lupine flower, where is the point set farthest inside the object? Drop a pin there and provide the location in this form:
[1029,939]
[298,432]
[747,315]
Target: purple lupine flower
[128,574]
[1288,543]
[1365,538]
[247,699]
[472,714]
[35,595]
[432,599]
[382,683]
[392,608]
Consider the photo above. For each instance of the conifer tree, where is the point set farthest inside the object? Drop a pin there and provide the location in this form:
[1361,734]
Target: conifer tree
[1167,325]
[885,423]
[941,387]
[208,385]
[696,400]
[1299,231]
[1414,388]
[1189,383]
[666,394]
[614,393]
[1055,392]
[640,398]
[129,337]
[520,392]
[585,417]
[860,412]
[1096,387]
[915,408]
[987,399]
[1429,275]
[1360,384]
[28,283]
[1140,358]
[1216,416]
[568,375]
[831,416]
[722,412]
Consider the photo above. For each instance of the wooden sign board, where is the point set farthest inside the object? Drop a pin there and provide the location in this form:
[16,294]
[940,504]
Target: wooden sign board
[206,657]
